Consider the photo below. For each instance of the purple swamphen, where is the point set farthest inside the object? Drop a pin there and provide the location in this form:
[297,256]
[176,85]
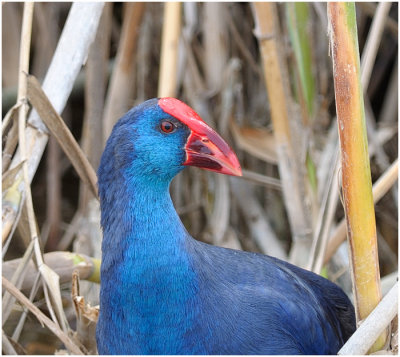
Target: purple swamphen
[163,292]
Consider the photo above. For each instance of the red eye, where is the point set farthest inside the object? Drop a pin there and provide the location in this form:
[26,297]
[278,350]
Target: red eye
[167,126]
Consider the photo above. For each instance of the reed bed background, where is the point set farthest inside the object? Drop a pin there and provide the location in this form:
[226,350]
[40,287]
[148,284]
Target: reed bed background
[264,75]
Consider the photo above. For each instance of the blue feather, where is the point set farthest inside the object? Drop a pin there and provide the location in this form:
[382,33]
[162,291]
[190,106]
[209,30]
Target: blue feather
[162,292]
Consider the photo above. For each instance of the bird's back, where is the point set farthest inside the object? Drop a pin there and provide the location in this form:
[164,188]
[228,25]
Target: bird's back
[254,304]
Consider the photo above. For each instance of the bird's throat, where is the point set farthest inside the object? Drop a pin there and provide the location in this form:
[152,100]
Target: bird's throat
[141,226]
[146,275]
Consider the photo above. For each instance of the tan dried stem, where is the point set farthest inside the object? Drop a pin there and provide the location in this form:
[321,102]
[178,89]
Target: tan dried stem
[373,41]
[119,95]
[167,84]
[292,175]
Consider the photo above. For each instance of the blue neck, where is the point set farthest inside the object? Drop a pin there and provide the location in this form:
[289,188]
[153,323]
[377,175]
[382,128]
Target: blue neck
[136,215]
[147,284]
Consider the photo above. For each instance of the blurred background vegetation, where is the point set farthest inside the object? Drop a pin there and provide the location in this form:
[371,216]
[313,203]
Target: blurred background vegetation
[208,55]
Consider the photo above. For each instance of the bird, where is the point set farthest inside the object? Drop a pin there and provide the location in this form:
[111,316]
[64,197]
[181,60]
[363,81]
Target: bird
[164,292]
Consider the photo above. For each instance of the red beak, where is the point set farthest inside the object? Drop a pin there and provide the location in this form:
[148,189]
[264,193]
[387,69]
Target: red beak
[204,147]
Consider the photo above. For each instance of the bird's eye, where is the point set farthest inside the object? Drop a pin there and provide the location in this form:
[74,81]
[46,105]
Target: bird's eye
[167,126]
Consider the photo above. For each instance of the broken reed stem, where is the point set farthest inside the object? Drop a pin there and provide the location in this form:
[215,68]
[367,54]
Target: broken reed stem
[356,174]
[167,84]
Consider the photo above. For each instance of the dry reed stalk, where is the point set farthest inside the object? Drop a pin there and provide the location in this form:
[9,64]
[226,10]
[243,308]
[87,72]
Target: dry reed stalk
[71,346]
[325,219]
[356,175]
[63,263]
[298,22]
[119,95]
[241,44]
[373,41]
[11,36]
[376,322]
[220,77]
[53,196]
[168,72]
[45,22]
[167,84]
[86,316]
[61,132]
[88,235]
[21,322]
[390,104]
[22,113]
[215,44]
[95,88]
[379,189]
[260,179]
[367,63]
[79,161]
[259,227]
[71,52]
[23,110]
[72,229]
[16,278]
[370,10]
[92,132]
[276,80]
[7,346]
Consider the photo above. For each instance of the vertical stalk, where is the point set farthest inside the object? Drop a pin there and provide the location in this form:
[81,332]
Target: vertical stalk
[298,23]
[298,20]
[169,49]
[356,175]
[70,53]
[120,89]
[291,173]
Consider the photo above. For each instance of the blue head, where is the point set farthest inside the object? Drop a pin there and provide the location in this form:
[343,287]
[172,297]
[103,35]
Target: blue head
[139,146]
[157,138]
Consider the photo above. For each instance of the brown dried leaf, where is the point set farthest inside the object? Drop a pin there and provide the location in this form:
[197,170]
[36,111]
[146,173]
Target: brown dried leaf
[61,132]
[256,141]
